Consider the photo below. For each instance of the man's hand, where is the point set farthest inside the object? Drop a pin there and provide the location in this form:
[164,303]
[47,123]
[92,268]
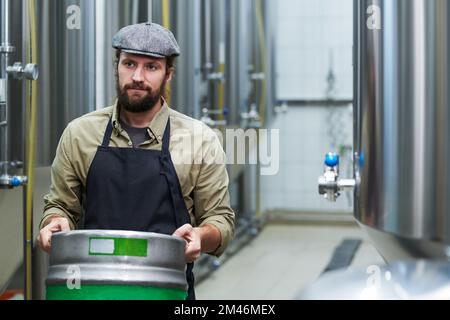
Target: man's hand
[206,238]
[193,241]
[54,224]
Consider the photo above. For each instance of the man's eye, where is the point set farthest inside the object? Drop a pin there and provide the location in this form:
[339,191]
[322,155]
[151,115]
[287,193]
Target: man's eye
[128,64]
[151,67]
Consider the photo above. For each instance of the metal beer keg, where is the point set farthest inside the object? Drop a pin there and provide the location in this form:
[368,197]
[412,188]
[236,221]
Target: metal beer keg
[104,264]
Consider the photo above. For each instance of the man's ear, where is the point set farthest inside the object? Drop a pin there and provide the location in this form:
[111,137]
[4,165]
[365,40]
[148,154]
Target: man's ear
[169,74]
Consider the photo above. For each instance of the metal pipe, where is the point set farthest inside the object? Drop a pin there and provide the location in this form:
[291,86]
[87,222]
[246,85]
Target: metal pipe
[224,10]
[150,10]
[5,19]
[135,12]
[214,78]
[197,62]
[207,20]
[100,17]
[4,51]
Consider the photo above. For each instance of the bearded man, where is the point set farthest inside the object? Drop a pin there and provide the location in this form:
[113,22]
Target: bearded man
[124,167]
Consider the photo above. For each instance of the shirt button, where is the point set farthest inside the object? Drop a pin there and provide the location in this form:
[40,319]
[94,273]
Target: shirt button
[130,143]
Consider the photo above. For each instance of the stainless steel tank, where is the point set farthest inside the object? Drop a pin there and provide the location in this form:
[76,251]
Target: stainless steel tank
[401,127]
[402,131]
[104,264]
[413,280]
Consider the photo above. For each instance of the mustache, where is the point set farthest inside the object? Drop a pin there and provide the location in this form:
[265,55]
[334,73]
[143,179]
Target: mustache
[136,86]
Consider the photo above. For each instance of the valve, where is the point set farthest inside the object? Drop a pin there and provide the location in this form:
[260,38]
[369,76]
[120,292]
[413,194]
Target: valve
[206,117]
[252,116]
[7,181]
[30,71]
[216,76]
[330,184]
[17,181]
[331,160]
[257,76]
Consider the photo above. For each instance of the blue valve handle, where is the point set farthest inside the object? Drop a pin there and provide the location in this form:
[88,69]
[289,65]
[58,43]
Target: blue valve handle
[225,111]
[361,159]
[331,159]
[15,182]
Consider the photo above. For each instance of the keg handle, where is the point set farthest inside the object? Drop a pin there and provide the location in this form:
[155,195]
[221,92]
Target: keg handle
[330,185]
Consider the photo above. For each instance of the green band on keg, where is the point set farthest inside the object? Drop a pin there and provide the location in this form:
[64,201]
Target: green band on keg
[113,292]
[102,246]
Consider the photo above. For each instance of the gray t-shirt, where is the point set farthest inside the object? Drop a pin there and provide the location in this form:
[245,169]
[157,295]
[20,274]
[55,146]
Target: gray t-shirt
[137,135]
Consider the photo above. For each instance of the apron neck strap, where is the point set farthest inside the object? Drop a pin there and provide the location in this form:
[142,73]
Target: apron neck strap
[166,139]
[108,133]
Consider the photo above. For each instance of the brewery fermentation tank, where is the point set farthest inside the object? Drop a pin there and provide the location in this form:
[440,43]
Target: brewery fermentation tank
[401,127]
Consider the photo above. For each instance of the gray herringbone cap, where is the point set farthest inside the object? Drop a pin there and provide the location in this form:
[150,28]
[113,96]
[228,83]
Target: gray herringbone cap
[148,39]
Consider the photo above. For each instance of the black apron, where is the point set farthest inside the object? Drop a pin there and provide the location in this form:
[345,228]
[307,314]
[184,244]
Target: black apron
[136,189]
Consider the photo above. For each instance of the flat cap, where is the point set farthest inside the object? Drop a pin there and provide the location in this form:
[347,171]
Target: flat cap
[148,39]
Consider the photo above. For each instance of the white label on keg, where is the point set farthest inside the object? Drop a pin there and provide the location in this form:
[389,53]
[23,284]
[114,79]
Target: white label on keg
[101,246]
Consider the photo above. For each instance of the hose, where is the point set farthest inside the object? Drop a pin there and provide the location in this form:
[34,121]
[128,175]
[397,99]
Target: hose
[31,102]
[221,89]
[262,50]
[166,24]
[166,14]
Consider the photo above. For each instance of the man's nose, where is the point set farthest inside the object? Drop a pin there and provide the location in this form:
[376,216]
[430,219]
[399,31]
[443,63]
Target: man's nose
[137,75]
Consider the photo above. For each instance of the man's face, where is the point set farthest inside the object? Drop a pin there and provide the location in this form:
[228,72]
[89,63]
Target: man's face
[141,81]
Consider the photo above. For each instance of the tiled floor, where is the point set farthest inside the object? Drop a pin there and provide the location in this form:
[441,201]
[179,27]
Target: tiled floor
[281,261]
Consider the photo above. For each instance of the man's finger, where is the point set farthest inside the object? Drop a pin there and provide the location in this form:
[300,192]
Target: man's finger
[64,225]
[45,235]
[45,239]
[183,230]
[60,224]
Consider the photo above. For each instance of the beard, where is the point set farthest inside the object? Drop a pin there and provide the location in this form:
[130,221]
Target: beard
[138,105]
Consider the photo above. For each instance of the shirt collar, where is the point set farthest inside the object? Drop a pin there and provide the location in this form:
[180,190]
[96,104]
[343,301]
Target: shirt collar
[156,127]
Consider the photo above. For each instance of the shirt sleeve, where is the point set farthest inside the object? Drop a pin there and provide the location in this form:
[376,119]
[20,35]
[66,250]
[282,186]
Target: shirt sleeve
[211,196]
[65,189]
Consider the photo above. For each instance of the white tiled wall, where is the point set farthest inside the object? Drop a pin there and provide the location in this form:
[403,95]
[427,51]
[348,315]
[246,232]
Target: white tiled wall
[313,35]
[304,141]
[308,31]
